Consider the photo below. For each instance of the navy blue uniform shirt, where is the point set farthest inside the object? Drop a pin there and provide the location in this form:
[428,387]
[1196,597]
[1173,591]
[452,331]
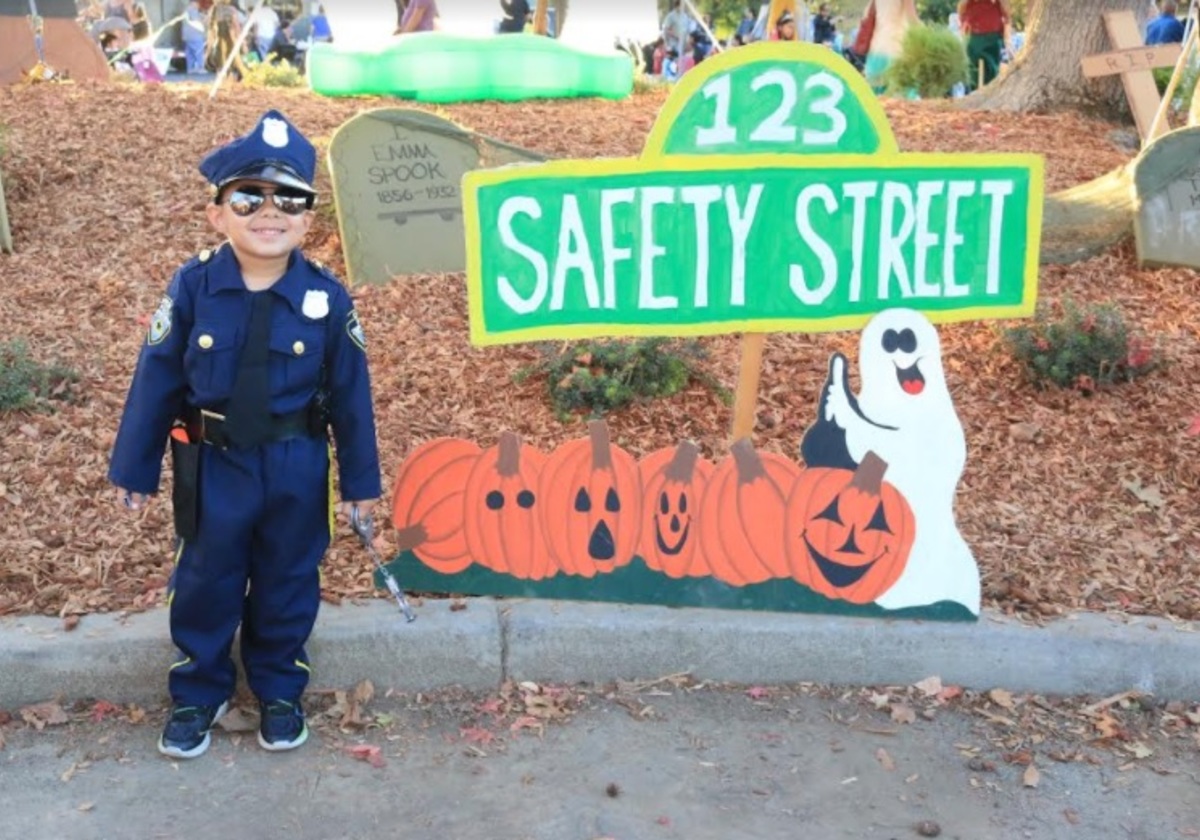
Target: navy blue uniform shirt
[191,354]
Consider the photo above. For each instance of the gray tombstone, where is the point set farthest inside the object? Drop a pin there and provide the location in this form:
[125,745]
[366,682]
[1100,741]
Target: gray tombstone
[397,181]
[1166,181]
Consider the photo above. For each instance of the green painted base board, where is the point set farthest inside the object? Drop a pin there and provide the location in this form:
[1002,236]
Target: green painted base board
[638,584]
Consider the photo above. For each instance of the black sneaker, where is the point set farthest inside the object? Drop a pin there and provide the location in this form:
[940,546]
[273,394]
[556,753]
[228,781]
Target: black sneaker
[186,734]
[282,725]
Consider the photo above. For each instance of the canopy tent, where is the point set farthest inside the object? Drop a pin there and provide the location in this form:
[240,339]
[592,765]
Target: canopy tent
[66,47]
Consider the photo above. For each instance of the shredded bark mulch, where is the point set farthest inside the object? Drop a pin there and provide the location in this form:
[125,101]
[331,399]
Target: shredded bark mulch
[1070,500]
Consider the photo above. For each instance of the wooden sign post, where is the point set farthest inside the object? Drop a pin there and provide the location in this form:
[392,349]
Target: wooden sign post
[6,243]
[1134,62]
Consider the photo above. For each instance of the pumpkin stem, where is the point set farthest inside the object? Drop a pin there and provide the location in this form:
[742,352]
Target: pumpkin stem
[508,462]
[411,537]
[869,475]
[601,454]
[683,464]
[749,465]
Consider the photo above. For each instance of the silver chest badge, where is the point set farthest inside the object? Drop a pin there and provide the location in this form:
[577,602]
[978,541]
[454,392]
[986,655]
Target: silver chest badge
[316,304]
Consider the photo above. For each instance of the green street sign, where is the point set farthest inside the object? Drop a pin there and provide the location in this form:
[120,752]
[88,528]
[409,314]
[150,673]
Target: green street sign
[770,197]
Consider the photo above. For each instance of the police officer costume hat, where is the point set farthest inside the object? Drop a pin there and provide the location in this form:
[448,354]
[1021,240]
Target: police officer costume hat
[273,151]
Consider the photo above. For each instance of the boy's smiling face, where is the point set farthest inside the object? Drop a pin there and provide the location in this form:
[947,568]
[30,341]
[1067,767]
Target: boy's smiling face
[266,234]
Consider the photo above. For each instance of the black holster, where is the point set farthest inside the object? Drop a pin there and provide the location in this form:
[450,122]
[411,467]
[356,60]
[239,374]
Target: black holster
[185,494]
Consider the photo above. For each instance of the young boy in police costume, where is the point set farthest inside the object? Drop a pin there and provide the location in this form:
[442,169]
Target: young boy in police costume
[254,353]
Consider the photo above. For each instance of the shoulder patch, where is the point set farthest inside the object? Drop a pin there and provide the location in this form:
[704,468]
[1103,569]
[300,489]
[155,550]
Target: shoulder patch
[355,331]
[160,321]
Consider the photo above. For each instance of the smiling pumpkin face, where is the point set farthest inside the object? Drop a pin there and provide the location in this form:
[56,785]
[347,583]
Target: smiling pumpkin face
[848,533]
[673,482]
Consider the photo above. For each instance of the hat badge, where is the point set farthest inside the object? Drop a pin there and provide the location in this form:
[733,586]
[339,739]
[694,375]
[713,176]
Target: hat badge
[275,132]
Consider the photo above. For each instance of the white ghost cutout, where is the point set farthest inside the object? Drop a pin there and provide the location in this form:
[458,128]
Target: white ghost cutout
[906,417]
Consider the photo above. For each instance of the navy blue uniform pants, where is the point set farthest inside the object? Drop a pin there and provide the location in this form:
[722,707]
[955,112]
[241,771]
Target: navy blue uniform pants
[264,525]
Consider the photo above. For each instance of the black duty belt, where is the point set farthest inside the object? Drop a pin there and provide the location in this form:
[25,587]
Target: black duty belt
[209,426]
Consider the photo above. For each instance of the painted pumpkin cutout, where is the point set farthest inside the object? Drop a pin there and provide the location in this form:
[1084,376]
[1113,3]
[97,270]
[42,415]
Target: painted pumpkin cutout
[741,516]
[849,534]
[427,510]
[590,504]
[500,510]
[673,484]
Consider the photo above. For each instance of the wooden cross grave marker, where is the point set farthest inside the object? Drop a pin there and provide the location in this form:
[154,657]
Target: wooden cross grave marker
[1134,62]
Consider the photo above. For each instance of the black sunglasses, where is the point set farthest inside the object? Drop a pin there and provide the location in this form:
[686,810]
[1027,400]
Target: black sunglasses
[245,201]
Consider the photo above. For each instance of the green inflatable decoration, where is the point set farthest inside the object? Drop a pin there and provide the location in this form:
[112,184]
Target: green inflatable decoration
[438,67]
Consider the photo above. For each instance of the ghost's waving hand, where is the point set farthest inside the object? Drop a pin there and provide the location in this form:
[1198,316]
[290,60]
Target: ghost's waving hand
[836,405]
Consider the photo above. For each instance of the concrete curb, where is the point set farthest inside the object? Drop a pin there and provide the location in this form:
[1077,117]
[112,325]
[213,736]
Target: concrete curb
[124,658]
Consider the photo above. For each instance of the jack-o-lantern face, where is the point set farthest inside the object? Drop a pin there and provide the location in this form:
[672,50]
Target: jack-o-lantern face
[503,530]
[849,533]
[673,483]
[590,504]
[674,519]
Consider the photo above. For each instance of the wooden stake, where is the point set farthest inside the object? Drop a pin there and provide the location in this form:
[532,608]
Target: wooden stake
[541,17]
[746,399]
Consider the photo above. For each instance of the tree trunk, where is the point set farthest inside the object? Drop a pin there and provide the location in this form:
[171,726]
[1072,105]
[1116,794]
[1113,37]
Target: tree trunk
[1047,76]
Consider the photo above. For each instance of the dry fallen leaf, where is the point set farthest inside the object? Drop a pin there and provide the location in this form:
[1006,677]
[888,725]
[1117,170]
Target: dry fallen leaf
[368,753]
[903,714]
[1031,777]
[1149,494]
[1002,698]
[41,715]
[930,686]
[85,806]
[885,760]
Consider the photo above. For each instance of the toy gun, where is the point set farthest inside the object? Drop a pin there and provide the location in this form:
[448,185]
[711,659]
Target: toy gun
[365,528]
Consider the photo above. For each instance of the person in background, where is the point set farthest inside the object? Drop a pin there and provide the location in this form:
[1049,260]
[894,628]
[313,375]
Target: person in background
[676,25]
[824,29]
[785,28]
[1166,28]
[224,29]
[745,29]
[984,23]
[419,16]
[265,21]
[516,14]
[321,31]
[194,37]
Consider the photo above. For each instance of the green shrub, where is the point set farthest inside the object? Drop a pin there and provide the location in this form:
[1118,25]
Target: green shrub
[1182,97]
[1081,348]
[932,60]
[272,72]
[24,381]
[602,376]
